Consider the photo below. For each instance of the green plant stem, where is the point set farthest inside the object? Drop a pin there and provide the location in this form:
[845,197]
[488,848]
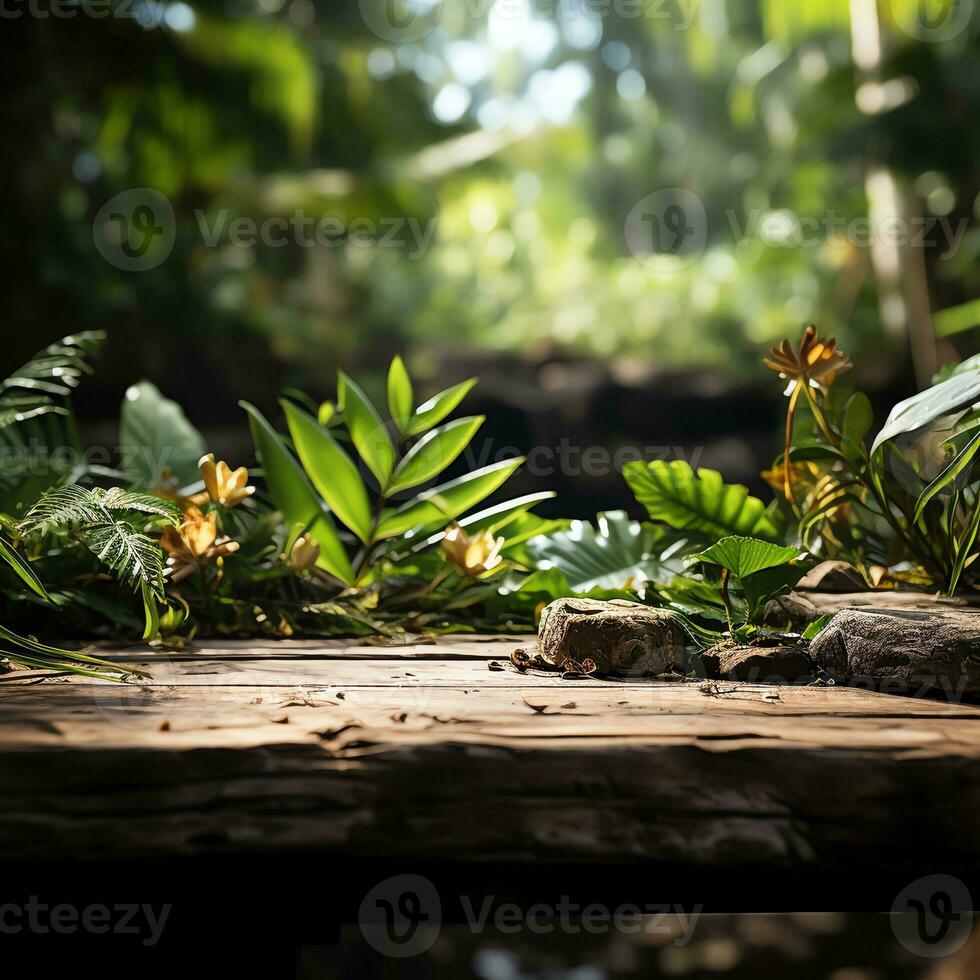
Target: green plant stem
[727,600]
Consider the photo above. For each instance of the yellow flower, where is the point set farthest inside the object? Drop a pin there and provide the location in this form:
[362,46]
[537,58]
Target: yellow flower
[194,543]
[816,362]
[473,556]
[224,486]
[304,554]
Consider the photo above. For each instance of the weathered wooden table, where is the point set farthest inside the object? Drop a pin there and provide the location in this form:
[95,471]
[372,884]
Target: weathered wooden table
[442,750]
[263,789]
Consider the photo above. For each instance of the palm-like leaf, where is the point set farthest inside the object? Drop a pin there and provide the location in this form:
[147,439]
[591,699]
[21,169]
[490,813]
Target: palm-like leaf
[619,555]
[700,502]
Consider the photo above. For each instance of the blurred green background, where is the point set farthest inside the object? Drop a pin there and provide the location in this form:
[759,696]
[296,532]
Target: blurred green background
[495,181]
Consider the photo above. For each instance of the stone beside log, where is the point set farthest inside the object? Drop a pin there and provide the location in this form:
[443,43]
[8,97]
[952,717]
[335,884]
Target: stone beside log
[617,636]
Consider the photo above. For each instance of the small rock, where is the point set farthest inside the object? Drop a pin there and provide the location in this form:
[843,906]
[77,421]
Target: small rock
[617,636]
[938,650]
[763,665]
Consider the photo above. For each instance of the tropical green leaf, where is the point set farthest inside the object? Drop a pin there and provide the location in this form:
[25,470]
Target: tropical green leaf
[964,548]
[769,583]
[400,394]
[954,469]
[856,422]
[957,392]
[763,570]
[49,377]
[434,452]
[621,554]
[21,567]
[155,437]
[744,556]
[703,502]
[446,502]
[332,471]
[493,518]
[295,498]
[366,428]
[433,411]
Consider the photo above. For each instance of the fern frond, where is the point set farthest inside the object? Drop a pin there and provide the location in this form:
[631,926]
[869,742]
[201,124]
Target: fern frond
[62,507]
[145,503]
[54,372]
[130,555]
[93,513]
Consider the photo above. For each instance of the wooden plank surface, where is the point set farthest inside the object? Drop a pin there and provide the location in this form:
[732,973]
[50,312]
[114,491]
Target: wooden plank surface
[424,751]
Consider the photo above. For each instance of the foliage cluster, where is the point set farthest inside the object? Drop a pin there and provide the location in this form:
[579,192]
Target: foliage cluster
[356,530]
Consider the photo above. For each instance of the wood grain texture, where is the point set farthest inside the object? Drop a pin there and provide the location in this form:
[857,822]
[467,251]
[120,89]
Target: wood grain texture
[427,752]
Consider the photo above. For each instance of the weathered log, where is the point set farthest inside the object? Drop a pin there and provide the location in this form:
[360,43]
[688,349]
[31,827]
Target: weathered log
[617,636]
[903,648]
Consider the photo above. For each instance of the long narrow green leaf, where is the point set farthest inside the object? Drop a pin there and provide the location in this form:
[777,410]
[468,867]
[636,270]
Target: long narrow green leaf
[400,395]
[433,411]
[20,566]
[492,516]
[445,503]
[952,470]
[964,548]
[434,452]
[293,496]
[332,471]
[366,428]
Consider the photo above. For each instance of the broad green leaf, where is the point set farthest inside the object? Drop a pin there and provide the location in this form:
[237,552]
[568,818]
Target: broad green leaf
[366,429]
[745,556]
[332,471]
[445,503]
[621,554]
[155,436]
[433,411]
[400,395]
[434,452]
[22,568]
[956,466]
[293,496]
[957,392]
[857,420]
[325,413]
[673,493]
[769,584]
